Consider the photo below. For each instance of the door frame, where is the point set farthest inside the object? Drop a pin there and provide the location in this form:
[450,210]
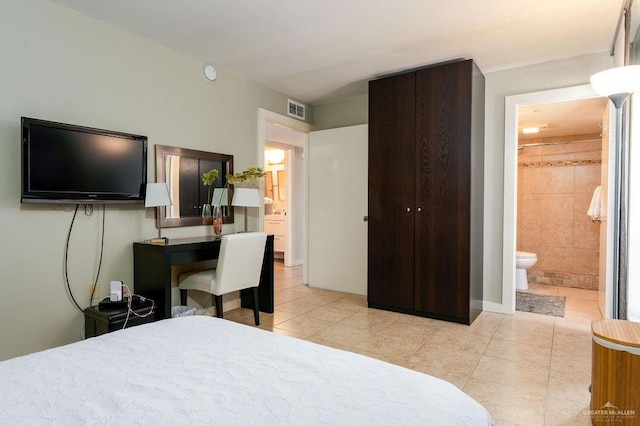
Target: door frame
[289,205]
[264,117]
[510,197]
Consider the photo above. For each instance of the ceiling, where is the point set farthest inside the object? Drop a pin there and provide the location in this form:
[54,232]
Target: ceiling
[321,51]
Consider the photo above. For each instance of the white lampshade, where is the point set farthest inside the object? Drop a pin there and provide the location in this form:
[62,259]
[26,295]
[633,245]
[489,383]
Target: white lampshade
[220,197]
[246,197]
[157,195]
[617,81]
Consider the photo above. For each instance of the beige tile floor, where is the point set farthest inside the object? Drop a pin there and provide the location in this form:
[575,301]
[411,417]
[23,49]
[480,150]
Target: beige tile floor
[526,369]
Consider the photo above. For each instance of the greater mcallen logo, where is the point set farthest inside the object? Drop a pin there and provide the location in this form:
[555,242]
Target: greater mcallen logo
[609,412]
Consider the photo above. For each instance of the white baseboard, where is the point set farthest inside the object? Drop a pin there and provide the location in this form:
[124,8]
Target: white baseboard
[230,304]
[494,307]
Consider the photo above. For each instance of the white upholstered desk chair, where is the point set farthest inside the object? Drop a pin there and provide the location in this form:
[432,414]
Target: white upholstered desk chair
[239,266]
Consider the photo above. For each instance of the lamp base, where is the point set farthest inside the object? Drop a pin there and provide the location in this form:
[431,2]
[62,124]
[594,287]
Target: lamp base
[163,241]
[160,241]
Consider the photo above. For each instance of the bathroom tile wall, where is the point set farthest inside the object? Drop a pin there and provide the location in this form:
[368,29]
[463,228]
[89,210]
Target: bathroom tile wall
[555,187]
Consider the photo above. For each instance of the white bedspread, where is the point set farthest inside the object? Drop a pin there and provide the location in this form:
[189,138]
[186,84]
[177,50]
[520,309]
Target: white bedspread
[202,370]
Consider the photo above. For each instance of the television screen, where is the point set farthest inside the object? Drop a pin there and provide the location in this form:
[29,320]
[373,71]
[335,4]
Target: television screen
[64,163]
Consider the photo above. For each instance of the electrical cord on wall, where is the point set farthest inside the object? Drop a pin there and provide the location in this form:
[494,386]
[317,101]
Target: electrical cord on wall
[66,259]
[95,282]
[88,211]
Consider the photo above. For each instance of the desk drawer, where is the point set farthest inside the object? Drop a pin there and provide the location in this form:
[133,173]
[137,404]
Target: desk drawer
[275,227]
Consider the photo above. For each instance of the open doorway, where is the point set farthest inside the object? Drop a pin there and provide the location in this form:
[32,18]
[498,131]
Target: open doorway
[559,202]
[284,192]
[283,213]
[513,106]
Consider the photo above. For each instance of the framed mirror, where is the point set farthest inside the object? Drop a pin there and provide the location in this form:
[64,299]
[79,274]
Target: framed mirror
[182,170]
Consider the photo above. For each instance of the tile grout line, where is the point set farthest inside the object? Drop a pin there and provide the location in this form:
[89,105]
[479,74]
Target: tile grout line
[546,402]
[483,353]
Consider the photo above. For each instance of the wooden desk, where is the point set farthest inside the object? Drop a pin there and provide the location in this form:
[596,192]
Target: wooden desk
[152,270]
[615,376]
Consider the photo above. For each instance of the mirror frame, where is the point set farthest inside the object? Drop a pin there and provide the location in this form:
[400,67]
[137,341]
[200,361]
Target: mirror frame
[161,150]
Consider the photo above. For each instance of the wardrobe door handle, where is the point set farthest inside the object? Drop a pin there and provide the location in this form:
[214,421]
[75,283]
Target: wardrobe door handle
[419,209]
[408,209]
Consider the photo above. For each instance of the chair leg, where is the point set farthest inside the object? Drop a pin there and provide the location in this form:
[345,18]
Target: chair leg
[218,306]
[256,308]
[183,297]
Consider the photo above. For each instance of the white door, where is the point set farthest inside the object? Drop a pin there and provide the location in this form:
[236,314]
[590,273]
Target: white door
[337,204]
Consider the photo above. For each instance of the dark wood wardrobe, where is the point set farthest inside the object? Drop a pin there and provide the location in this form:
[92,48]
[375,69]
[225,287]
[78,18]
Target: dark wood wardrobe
[426,149]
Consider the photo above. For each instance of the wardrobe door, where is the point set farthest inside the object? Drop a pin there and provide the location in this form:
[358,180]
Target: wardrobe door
[442,165]
[390,269]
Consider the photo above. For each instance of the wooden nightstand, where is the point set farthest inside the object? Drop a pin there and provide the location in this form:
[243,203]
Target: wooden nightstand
[97,322]
[615,374]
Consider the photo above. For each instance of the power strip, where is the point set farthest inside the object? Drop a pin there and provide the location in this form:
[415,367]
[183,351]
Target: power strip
[108,304]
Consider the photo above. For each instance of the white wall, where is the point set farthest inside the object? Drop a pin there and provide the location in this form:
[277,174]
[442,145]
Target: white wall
[62,66]
[343,113]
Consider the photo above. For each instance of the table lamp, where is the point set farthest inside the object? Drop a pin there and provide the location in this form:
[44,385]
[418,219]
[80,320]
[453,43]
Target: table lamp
[246,197]
[158,196]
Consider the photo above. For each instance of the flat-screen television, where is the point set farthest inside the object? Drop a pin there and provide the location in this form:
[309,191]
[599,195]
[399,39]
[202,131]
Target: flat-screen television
[65,163]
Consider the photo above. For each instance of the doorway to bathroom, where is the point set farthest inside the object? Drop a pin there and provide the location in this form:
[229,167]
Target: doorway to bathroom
[290,135]
[559,198]
[284,191]
[280,202]
[553,167]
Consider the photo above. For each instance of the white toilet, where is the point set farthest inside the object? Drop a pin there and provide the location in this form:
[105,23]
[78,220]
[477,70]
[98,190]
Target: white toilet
[524,260]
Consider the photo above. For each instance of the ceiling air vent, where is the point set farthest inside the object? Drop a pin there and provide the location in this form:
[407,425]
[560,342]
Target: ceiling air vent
[295,109]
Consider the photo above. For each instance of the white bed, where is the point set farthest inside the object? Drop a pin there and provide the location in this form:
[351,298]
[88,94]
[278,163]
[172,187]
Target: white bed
[203,370]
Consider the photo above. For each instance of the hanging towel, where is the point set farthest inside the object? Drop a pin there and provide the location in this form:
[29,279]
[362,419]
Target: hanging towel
[595,208]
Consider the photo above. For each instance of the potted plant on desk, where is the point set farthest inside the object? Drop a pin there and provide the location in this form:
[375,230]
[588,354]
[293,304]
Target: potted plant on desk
[208,178]
[247,195]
